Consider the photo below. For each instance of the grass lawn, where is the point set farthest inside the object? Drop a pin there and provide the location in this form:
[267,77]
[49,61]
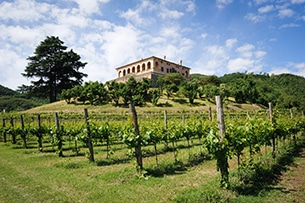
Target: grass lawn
[30,176]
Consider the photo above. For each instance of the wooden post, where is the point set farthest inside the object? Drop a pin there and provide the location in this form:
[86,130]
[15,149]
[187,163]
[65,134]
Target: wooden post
[39,135]
[220,118]
[138,149]
[4,133]
[222,157]
[291,113]
[166,129]
[58,135]
[90,145]
[14,141]
[210,114]
[273,137]
[23,134]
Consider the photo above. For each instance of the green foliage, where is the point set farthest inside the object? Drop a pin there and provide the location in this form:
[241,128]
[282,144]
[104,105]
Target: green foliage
[55,68]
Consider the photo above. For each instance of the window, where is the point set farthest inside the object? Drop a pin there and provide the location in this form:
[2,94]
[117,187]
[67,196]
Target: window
[162,69]
[143,67]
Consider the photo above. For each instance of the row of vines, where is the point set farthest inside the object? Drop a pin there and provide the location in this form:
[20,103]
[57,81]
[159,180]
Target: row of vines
[245,135]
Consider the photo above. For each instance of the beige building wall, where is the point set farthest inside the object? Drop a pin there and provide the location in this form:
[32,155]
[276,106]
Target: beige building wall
[151,68]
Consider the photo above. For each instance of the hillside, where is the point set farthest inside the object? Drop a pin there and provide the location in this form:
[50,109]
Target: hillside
[11,100]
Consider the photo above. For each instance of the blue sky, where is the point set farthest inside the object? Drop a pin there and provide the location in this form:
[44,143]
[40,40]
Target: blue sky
[213,37]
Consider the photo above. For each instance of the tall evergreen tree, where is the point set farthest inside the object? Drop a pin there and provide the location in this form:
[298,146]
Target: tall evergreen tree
[55,69]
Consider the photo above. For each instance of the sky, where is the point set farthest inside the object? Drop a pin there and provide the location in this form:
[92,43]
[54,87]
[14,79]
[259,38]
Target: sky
[212,37]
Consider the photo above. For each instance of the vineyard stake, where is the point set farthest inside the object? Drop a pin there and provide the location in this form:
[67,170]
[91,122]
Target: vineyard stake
[58,135]
[138,149]
[4,133]
[90,146]
[221,154]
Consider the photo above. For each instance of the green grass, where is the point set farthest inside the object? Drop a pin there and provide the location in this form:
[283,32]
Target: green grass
[171,105]
[30,176]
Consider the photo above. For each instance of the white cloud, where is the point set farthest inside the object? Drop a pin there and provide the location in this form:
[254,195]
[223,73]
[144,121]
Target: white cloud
[230,42]
[246,50]
[292,68]
[170,14]
[254,18]
[203,35]
[12,66]
[222,3]
[297,1]
[289,25]
[260,54]
[283,13]
[266,9]
[241,65]
[258,2]
[89,7]
[23,10]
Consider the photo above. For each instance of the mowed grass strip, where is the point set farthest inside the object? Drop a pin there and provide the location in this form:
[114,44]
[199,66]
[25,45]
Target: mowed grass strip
[29,176]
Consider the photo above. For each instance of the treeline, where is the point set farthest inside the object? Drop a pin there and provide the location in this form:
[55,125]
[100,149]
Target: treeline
[284,91]
[11,100]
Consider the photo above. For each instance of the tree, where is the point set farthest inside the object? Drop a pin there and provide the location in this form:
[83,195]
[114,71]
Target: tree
[189,90]
[170,83]
[55,68]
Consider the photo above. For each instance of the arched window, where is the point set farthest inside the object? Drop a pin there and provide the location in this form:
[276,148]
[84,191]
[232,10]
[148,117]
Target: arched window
[157,65]
[148,65]
[133,70]
[120,74]
[128,71]
[186,74]
[138,68]
[124,72]
[143,67]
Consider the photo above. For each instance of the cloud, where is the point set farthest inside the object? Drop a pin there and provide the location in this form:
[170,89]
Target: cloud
[258,2]
[23,10]
[222,3]
[290,25]
[297,1]
[173,14]
[246,50]
[89,7]
[283,13]
[137,17]
[266,9]
[254,18]
[230,42]
[291,67]
[241,65]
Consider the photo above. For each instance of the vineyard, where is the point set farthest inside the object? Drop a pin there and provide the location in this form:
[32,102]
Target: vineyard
[158,145]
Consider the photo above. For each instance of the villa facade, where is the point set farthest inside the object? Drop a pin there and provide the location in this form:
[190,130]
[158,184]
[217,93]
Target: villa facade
[151,68]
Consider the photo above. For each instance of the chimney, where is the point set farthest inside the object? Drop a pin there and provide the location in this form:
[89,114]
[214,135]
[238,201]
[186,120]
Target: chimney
[180,62]
[164,57]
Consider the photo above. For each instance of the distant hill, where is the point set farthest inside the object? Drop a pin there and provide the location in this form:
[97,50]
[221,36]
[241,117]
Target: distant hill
[4,91]
[283,90]
[11,100]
